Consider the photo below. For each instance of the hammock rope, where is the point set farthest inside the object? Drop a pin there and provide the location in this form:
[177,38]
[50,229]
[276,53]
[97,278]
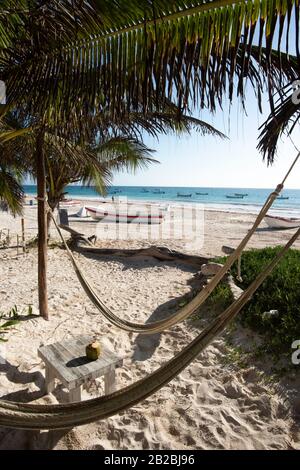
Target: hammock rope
[187,310]
[62,416]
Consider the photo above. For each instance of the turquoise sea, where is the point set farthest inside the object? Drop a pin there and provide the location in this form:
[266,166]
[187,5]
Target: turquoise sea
[212,198]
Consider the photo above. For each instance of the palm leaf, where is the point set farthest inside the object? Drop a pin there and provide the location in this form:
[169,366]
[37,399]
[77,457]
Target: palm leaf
[11,191]
[124,153]
[113,56]
[285,114]
[13,134]
[283,119]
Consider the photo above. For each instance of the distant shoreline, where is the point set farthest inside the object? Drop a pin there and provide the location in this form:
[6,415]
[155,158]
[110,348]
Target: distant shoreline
[239,208]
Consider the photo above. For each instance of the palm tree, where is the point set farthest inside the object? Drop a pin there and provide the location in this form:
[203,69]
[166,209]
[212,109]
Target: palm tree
[112,146]
[114,154]
[66,61]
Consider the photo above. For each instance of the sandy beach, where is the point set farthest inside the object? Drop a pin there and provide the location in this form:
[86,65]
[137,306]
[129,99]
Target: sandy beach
[214,404]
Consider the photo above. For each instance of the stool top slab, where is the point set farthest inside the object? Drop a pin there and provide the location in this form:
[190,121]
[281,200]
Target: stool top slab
[68,362]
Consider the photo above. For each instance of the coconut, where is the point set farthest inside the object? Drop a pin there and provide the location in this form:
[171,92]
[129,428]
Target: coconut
[93,351]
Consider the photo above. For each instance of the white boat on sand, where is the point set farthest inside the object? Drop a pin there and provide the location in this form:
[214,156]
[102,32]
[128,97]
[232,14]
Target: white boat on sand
[126,215]
[281,222]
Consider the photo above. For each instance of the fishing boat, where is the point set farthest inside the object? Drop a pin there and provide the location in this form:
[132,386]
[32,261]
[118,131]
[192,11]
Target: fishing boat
[184,195]
[241,194]
[126,216]
[281,222]
[234,196]
[158,191]
[141,206]
[282,198]
[116,191]
[145,190]
[202,194]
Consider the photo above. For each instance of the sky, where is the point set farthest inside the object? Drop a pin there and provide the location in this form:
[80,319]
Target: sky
[210,162]
[197,161]
[205,161]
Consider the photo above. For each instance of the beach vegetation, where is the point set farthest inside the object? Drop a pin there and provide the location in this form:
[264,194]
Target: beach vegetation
[11,318]
[8,321]
[274,310]
[221,296]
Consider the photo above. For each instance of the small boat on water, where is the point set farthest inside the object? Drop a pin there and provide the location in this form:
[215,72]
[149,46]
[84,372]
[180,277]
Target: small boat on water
[158,191]
[116,191]
[202,194]
[282,198]
[145,190]
[234,196]
[127,216]
[281,222]
[241,194]
[184,195]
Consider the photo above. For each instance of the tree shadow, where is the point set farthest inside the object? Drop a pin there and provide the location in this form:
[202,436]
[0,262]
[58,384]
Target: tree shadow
[23,378]
[274,229]
[145,345]
[140,260]
[19,439]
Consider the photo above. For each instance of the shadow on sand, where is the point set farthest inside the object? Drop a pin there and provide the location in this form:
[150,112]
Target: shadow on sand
[145,345]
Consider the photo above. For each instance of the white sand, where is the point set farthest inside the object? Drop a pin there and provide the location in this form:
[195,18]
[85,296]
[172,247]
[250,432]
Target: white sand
[213,404]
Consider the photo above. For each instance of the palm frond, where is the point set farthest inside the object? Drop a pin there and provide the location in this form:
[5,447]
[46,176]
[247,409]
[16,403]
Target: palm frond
[91,164]
[124,153]
[285,113]
[283,119]
[13,134]
[162,122]
[11,191]
[112,56]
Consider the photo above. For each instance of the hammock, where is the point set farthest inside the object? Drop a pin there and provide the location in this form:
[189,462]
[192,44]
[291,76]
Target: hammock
[187,310]
[62,416]
[196,302]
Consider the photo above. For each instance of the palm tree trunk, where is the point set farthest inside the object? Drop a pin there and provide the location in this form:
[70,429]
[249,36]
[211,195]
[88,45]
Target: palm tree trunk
[42,226]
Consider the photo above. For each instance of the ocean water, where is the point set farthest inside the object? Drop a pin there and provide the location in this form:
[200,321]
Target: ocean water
[214,199]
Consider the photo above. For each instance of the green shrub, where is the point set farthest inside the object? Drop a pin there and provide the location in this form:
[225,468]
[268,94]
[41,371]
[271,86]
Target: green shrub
[280,291]
[221,296]
[12,318]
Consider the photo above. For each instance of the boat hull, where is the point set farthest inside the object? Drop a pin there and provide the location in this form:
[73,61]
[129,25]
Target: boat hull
[127,217]
[281,222]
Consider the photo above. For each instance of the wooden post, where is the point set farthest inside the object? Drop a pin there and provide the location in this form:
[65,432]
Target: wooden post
[23,235]
[42,225]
